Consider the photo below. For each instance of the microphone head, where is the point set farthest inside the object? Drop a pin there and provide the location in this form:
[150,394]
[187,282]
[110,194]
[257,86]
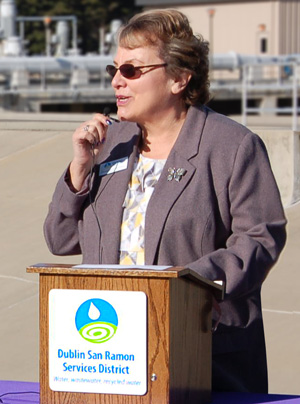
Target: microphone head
[106,111]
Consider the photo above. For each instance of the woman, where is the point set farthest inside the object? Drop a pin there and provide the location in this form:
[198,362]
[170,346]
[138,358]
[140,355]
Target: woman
[175,183]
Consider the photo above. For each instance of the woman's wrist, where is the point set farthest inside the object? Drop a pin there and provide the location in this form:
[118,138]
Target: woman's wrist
[77,175]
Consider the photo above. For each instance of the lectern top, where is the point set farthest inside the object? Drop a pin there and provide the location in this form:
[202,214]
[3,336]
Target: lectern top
[150,271]
[108,270]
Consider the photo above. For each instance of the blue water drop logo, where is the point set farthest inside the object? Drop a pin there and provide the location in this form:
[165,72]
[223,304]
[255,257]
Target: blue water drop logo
[96,320]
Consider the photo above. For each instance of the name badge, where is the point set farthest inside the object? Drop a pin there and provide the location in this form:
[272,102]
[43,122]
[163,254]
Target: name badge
[113,166]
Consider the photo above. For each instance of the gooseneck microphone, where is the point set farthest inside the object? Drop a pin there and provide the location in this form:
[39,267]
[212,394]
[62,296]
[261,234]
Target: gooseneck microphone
[106,112]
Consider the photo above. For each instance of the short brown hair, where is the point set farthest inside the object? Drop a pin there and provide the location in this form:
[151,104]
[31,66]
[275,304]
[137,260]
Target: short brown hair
[170,31]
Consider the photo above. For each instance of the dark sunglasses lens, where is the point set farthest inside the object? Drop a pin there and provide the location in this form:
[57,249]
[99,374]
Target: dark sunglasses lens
[127,71]
[111,70]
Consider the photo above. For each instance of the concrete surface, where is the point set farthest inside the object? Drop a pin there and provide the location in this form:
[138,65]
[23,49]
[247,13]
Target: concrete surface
[284,152]
[34,150]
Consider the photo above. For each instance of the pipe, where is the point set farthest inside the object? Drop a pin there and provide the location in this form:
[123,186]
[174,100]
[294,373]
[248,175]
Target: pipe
[232,60]
[36,64]
[8,17]
[96,63]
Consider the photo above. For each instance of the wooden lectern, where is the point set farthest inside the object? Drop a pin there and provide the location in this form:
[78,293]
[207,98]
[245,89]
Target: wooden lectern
[179,330]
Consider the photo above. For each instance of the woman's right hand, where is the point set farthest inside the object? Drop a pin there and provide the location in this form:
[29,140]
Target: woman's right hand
[88,141]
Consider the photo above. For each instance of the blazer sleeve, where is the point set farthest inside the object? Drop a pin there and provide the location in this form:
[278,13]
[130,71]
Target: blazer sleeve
[257,233]
[61,228]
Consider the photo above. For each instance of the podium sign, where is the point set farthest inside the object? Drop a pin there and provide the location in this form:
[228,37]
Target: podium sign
[97,341]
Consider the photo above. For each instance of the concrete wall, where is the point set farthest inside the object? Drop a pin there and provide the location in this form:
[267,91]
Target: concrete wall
[284,151]
[239,26]
[236,27]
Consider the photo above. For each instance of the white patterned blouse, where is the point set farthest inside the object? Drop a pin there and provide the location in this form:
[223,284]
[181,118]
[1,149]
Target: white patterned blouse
[140,188]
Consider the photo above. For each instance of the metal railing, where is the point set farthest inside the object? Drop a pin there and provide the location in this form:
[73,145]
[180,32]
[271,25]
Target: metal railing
[282,77]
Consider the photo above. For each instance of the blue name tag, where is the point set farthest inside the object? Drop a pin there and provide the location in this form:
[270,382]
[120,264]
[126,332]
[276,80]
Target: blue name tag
[113,166]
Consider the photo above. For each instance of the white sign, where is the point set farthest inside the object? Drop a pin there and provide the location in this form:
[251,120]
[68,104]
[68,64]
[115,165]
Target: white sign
[98,341]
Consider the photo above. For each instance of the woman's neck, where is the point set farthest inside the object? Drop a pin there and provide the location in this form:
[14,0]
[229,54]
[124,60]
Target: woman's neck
[159,138]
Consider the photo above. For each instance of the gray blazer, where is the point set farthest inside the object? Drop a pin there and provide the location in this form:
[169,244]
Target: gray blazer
[223,219]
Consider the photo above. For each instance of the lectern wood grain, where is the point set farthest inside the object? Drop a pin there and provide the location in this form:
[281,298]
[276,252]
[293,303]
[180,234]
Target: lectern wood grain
[179,334]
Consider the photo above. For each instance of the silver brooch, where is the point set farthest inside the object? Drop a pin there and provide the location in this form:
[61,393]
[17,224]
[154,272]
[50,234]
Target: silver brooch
[176,174]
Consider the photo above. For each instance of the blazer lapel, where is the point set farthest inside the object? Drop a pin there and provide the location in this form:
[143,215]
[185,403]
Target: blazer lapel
[166,192]
[109,203]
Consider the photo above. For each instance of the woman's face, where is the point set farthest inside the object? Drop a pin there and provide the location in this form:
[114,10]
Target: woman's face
[148,97]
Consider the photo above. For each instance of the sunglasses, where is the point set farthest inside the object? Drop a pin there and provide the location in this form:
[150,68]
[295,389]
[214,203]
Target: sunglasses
[129,71]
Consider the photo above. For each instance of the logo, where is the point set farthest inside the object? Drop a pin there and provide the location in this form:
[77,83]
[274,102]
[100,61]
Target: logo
[96,320]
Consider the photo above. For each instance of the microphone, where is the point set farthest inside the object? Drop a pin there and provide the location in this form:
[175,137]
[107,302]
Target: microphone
[106,112]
